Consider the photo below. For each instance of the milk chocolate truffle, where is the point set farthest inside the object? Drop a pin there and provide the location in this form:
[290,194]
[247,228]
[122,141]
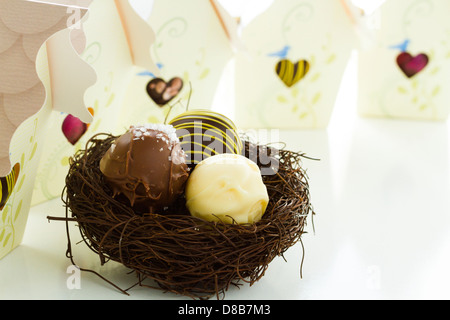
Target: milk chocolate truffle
[227,188]
[147,166]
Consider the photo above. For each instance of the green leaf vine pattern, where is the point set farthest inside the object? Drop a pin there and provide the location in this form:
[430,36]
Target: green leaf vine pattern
[303,100]
[13,208]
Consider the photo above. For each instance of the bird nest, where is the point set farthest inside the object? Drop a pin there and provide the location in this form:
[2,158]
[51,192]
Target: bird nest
[177,252]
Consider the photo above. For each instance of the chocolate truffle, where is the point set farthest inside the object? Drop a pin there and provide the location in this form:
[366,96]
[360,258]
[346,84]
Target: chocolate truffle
[147,166]
[205,133]
[227,188]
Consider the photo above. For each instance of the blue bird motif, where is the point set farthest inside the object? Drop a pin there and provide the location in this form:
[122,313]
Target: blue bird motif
[403,47]
[146,74]
[282,54]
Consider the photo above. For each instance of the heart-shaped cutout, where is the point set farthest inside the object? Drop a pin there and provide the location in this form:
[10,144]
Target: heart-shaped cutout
[291,73]
[73,128]
[7,185]
[412,65]
[163,92]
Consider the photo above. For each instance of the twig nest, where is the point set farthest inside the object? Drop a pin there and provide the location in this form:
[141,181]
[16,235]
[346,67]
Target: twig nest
[227,188]
[172,250]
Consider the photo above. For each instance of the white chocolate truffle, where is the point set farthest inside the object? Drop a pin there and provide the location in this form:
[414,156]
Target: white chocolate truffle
[227,187]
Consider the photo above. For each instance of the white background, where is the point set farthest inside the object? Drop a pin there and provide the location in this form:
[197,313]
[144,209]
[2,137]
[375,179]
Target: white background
[381,194]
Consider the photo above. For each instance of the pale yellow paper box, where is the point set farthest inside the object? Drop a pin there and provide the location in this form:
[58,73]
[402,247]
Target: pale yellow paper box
[404,61]
[295,56]
[195,40]
[120,47]
[33,37]
[117,42]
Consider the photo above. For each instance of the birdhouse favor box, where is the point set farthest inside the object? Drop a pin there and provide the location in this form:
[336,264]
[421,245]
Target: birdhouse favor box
[144,68]
[404,61]
[117,46]
[194,41]
[37,53]
[290,72]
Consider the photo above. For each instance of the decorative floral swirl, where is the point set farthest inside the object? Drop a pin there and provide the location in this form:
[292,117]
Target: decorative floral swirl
[174,28]
[92,52]
[417,9]
[300,13]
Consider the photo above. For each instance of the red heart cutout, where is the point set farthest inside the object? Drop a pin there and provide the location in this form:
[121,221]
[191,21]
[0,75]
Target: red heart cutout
[161,92]
[73,128]
[412,65]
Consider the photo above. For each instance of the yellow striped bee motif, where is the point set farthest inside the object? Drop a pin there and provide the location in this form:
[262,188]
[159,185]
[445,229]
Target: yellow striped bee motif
[291,73]
[7,185]
[205,133]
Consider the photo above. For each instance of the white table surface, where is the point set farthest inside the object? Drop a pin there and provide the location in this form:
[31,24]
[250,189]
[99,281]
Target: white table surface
[382,229]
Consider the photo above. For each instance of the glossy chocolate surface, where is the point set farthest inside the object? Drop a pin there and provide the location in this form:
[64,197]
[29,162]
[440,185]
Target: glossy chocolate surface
[147,166]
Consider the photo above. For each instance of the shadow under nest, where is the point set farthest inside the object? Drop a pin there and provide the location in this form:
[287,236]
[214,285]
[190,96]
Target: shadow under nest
[180,253]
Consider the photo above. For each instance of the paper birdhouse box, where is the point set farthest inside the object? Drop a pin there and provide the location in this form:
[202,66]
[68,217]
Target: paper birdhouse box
[194,42]
[128,58]
[291,71]
[404,61]
[117,46]
[37,53]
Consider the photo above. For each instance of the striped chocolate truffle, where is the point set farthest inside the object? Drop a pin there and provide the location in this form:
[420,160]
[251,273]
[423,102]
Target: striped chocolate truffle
[205,133]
